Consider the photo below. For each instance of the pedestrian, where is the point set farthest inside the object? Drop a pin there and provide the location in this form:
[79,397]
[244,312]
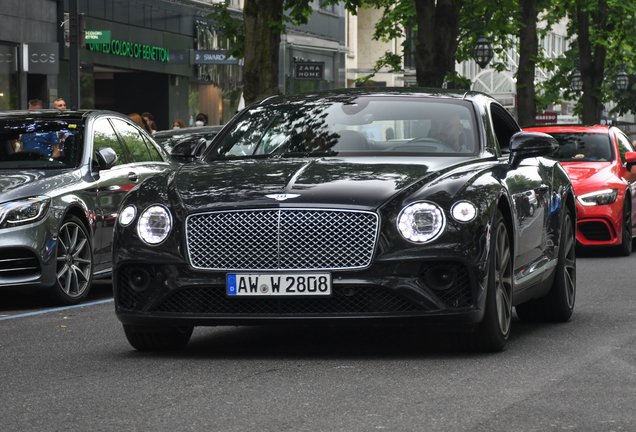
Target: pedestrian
[149,122]
[137,118]
[201,120]
[35,104]
[178,124]
[59,103]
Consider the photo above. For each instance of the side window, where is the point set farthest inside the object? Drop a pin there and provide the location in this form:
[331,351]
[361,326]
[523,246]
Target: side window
[624,145]
[133,140]
[505,126]
[154,152]
[105,136]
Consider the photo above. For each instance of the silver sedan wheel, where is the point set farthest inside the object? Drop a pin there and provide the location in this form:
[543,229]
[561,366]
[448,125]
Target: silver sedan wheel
[74,260]
[503,280]
[569,258]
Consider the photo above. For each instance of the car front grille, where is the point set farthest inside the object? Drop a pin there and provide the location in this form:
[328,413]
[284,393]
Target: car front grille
[281,239]
[18,263]
[595,231]
[345,300]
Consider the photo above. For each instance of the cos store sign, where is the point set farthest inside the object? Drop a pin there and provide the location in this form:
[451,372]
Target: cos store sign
[41,58]
[130,49]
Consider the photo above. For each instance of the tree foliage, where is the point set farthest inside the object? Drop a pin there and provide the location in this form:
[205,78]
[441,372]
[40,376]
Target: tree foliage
[604,35]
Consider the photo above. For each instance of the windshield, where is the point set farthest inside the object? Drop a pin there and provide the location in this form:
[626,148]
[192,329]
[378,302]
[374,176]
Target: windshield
[356,126]
[583,147]
[36,144]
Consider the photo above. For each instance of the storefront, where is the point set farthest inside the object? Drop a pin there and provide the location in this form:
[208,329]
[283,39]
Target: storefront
[9,94]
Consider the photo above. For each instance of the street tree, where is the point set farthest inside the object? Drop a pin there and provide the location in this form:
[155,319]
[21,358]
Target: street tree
[603,35]
[256,39]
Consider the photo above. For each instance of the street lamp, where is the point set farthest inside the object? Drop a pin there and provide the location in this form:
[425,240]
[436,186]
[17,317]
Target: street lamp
[622,81]
[483,52]
[577,82]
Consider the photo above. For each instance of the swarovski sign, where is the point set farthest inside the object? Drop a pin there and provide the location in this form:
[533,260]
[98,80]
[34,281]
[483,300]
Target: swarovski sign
[203,57]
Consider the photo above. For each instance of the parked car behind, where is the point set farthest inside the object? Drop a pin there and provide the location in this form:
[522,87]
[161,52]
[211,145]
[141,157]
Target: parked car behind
[62,178]
[596,159]
[352,206]
[187,144]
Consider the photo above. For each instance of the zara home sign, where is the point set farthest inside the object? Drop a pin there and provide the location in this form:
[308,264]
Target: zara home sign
[309,70]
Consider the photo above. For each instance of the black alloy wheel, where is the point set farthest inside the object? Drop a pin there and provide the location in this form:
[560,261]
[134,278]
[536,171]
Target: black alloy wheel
[626,241]
[492,333]
[74,269]
[558,304]
[158,338]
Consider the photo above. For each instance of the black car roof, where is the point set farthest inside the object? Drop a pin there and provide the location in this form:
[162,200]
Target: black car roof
[378,91]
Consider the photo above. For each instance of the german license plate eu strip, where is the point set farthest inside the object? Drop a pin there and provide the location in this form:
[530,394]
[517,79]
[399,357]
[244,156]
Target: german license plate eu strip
[279,284]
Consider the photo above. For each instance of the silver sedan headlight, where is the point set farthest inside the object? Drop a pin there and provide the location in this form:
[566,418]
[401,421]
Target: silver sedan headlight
[421,222]
[154,225]
[602,197]
[22,212]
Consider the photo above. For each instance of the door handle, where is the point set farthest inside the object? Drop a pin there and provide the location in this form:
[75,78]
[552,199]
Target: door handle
[133,177]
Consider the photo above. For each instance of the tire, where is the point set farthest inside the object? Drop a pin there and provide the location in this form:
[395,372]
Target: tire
[492,333]
[625,249]
[558,304]
[74,269]
[158,339]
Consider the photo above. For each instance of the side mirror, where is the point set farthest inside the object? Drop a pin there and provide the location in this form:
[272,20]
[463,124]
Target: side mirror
[106,158]
[630,158]
[525,145]
[188,150]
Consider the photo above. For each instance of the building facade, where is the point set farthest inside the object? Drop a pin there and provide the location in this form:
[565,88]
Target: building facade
[165,57]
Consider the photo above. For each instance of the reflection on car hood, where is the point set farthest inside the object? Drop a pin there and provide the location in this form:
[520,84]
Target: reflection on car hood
[25,183]
[358,182]
[588,171]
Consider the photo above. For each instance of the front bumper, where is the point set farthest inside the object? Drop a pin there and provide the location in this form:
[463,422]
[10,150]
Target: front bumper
[175,294]
[599,225]
[27,256]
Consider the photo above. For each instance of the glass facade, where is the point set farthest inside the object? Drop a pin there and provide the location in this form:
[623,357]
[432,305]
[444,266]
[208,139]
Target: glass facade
[9,95]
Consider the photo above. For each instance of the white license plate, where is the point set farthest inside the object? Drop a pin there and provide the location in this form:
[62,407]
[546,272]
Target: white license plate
[279,284]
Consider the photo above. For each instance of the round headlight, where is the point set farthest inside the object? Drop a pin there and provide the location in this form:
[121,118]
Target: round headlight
[464,211]
[127,215]
[154,225]
[421,222]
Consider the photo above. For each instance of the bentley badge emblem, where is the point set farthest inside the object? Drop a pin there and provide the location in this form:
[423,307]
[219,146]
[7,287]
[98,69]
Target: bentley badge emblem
[282,197]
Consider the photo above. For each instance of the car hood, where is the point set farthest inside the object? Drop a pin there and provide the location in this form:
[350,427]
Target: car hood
[588,172]
[357,182]
[16,184]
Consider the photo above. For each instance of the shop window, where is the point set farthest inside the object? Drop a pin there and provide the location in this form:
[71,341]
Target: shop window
[328,7]
[8,77]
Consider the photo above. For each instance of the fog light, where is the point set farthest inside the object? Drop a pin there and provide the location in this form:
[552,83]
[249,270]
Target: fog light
[139,280]
[439,278]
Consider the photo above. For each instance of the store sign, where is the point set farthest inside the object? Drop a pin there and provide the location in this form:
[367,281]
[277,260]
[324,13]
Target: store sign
[42,58]
[546,118]
[8,59]
[97,36]
[178,56]
[309,70]
[130,49]
[214,57]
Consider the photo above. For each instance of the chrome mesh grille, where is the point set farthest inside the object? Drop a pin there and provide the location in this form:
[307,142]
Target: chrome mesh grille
[285,239]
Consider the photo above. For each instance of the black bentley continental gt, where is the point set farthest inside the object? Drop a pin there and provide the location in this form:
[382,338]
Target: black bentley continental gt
[352,206]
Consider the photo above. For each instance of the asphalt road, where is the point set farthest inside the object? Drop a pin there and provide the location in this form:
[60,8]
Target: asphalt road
[73,370]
